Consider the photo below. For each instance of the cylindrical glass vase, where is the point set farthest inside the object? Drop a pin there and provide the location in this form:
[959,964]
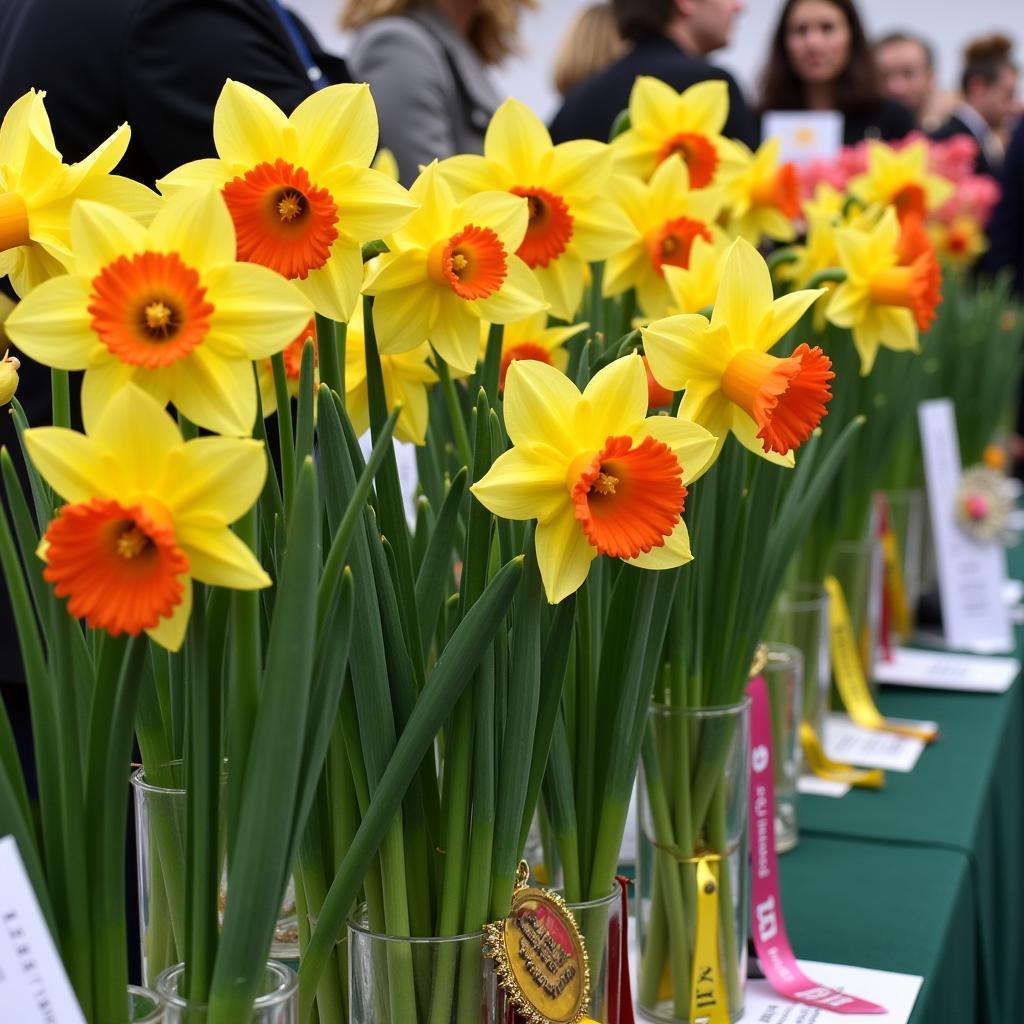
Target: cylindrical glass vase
[276,1003]
[800,619]
[144,1006]
[601,925]
[908,523]
[401,980]
[693,806]
[783,676]
[858,566]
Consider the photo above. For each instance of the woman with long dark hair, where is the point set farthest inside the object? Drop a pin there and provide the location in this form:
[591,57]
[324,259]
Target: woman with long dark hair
[820,59]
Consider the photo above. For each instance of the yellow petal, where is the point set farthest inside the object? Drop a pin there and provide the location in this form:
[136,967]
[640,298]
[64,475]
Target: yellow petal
[195,174]
[784,314]
[561,283]
[128,196]
[99,234]
[706,406]
[540,406]
[708,105]
[403,319]
[456,333]
[105,377]
[684,348]
[652,104]
[336,125]
[563,555]
[516,138]
[395,272]
[524,483]
[673,553]
[614,402]
[215,393]
[333,289]
[69,462]
[370,203]
[51,324]
[691,444]
[169,633]
[248,127]
[600,228]
[504,213]
[745,430]
[196,224]
[469,172]
[580,168]
[518,297]
[218,557]
[216,479]
[745,293]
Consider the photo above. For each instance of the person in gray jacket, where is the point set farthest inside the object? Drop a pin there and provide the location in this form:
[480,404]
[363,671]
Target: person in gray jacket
[426,65]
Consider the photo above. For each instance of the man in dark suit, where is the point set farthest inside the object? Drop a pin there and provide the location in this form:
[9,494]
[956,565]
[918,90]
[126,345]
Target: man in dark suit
[669,40]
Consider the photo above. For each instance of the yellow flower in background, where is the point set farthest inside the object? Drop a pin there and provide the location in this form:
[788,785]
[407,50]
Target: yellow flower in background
[764,197]
[694,287]
[146,513]
[451,266]
[37,191]
[668,217]
[574,219]
[690,123]
[9,366]
[731,381]
[532,338]
[900,178]
[386,163]
[165,307]
[300,189]
[291,356]
[888,293]
[960,242]
[408,376]
[598,475]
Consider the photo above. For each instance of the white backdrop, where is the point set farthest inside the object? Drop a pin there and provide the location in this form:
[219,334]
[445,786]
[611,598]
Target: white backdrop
[946,22]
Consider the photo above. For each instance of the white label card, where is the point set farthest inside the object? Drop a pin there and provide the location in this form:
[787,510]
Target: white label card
[805,135]
[34,987]
[942,670]
[811,785]
[971,572]
[849,743]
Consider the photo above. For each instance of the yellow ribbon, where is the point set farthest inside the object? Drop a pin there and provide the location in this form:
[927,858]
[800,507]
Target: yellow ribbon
[707,993]
[825,768]
[849,671]
[898,607]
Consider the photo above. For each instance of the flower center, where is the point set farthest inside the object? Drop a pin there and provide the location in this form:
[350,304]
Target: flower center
[473,263]
[673,241]
[698,153]
[786,398]
[628,497]
[910,200]
[118,566]
[282,219]
[781,190]
[13,221]
[149,309]
[524,350]
[549,229]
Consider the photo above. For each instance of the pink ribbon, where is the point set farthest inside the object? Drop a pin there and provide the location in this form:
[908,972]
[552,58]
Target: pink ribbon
[770,939]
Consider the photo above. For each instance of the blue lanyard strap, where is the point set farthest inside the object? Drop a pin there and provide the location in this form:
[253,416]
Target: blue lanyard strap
[316,77]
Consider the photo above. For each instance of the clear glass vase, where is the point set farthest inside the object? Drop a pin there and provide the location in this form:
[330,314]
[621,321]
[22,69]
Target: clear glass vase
[858,566]
[276,1003]
[909,525]
[783,676]
[693,805]
[800,620]
[601,925]
[401,980]
[144,1006]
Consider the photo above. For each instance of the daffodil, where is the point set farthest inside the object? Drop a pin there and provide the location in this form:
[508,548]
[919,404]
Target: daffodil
[598,474]
[300,189]
[663,121]
[532,338]
[451,266]
[165,307]
[574,219]
[694,287]
[9,366]
[731,380]
[408,377]
[146,513]
[764,197]
[889,292]
[291,356]
[668,217]
[900,178]
[959,242]
[37,191]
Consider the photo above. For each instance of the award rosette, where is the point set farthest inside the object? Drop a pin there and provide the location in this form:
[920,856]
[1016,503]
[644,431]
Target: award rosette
[541,957]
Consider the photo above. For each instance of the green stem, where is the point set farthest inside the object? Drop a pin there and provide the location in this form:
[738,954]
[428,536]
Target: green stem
[60,394]
[458,423]
[285,430]
[330,344]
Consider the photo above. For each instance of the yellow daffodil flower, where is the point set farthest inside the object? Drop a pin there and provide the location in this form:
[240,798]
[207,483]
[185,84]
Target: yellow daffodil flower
[731,381]
[889,292]
[900,178]
[694,287]
[300,189]
[166,307]
[764,197]
[532,338]
[668,217]
[146,513]
[9,366]
[573,218]
[37,191]
[598,474]
[386,163]
[292,358]
[408,376]
[690,123]
[451,266]
[960,242]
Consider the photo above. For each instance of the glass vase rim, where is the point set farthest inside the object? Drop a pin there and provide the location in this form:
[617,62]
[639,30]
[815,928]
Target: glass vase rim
[708,711]
[806,597]
[793,655]
[157,1013]
[286,987]
[355,924]
[139,781]
[614,895]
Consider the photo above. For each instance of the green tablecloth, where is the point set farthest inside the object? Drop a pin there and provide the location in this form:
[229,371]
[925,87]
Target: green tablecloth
[962,805]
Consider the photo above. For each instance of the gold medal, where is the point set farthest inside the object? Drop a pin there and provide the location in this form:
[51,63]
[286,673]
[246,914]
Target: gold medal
[541,957]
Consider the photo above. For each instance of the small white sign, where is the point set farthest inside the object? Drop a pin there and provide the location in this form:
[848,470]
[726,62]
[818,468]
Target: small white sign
[942,670]
[971,572]
[34,988]
[813,786]
[408,472]
[849,743]
[896,992]
[805,135]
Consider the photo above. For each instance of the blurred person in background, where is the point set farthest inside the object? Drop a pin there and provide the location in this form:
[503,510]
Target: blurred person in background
[989,85]
[590,44]
[669,40]
[906,71]
[426,64]
[820,59]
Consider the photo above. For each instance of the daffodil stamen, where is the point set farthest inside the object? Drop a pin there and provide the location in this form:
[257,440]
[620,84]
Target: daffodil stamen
[473,263]
[14,223]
